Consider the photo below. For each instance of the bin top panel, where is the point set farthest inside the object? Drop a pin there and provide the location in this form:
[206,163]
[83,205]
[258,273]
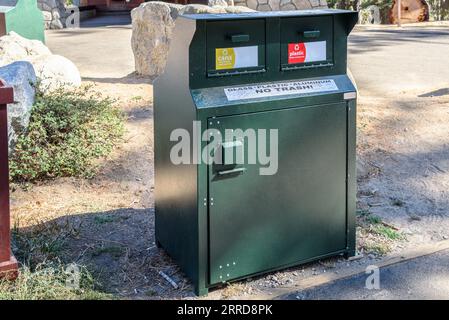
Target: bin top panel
[265,14]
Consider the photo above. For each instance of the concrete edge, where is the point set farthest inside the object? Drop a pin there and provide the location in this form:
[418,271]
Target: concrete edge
[313,281]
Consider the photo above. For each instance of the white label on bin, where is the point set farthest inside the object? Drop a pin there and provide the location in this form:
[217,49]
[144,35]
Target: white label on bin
[280,89]
[239,57]
[306,52]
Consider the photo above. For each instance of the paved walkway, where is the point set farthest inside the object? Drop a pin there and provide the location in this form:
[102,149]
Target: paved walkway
[389,60]
[101,48]
[422,278]
[107,21]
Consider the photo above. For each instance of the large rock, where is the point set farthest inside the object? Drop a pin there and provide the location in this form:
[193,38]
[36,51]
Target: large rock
[54,71]
[238,9]
[201,9]
[153,24]
[13,47]
[20,75]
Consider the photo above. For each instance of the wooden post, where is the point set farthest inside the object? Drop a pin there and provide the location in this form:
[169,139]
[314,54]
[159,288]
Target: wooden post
[399,12]
[8,264]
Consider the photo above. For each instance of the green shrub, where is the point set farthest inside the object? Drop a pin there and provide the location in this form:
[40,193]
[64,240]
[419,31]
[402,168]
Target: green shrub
[68,131]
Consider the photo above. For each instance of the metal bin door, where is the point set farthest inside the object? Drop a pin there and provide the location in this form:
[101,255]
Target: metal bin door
[263,222]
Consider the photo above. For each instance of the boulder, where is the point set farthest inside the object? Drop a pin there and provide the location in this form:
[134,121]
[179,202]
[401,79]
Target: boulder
[201,9]
[370,15]
[21,76]
[238,9]
[47,19]
[13,47]
[153,24]
[54,71]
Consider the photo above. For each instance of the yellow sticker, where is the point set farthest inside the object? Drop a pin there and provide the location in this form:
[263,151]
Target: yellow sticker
[224,58]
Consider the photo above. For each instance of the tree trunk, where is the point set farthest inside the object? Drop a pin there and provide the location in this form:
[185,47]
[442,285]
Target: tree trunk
[411,11]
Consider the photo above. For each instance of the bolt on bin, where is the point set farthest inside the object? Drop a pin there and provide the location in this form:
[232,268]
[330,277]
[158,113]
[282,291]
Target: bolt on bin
[255,130]
[8,264]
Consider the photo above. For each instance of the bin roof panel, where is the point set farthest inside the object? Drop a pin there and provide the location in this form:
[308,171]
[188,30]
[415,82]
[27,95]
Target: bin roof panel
[265,14]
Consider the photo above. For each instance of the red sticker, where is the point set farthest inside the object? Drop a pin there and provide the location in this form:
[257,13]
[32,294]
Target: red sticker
[296,53]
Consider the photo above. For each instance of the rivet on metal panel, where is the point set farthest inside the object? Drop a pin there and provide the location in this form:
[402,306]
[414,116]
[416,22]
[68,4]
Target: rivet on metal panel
[227,265]
[227,275]
[221,267]
[233,263]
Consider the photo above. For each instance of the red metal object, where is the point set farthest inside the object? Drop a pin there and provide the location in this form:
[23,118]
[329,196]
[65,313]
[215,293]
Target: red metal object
[8,264]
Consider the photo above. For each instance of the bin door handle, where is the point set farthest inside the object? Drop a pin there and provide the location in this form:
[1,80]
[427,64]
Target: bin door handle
[232,171]
[311,34]
[239,37]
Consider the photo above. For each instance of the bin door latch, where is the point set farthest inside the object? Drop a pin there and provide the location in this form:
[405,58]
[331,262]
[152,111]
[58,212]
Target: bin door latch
[231,154]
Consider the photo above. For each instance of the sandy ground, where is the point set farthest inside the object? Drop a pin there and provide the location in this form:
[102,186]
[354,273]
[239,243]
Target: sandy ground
[403,120]
[403,164]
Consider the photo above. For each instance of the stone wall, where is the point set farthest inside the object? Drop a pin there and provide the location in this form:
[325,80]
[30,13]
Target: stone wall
[54,13]
[283,5]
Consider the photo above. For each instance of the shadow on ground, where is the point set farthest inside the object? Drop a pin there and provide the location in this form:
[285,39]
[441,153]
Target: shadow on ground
[131,78]
[118,248]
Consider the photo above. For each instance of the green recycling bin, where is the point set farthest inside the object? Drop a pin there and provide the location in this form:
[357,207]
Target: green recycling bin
[255,130]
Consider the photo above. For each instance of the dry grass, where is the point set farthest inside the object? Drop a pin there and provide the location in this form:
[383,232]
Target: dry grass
[374,236]
[234,290]
[51,281]
[40,246]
